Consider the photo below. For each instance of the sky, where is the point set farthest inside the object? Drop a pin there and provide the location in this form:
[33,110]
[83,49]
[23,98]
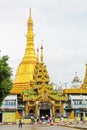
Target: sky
[60,25]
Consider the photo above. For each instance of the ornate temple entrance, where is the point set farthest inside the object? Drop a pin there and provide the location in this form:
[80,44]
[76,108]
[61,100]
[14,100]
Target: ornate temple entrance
[45,108]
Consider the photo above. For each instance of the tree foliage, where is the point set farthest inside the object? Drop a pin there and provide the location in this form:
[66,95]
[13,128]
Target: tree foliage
[5,77]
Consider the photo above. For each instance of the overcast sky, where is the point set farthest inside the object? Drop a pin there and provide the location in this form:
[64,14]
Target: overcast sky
[62,24]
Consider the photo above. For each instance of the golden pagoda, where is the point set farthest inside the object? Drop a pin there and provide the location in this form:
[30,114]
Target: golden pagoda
[32,82]
[25,69]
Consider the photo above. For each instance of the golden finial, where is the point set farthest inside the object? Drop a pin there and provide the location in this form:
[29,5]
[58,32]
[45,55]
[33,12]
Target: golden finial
[30,12]
[41,45]
[37,55]
[30,22]
[41,53]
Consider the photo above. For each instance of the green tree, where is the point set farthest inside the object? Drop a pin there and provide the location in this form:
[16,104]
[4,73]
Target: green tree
[5,77]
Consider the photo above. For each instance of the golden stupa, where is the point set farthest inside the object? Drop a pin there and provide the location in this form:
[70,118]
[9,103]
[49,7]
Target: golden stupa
[25,69]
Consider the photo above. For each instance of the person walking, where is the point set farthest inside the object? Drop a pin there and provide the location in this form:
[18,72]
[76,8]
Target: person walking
[20,123]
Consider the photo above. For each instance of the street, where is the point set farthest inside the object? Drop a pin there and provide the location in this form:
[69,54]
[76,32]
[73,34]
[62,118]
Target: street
[34,127]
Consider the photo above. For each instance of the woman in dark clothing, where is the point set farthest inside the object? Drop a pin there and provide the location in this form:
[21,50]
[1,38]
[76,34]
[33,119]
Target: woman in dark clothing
[20,123]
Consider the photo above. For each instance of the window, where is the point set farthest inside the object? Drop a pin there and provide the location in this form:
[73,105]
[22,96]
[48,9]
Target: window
[80,102]
[6,103]
[14,103]
[75,103]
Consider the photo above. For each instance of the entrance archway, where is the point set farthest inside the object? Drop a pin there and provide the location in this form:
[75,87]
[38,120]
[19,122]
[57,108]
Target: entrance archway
[45,108]
[57,113]
[31,112]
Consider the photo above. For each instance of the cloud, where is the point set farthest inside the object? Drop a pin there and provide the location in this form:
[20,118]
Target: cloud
[63,6]
[73,6]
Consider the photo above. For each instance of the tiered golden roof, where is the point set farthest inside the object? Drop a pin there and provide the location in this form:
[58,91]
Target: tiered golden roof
[42,90]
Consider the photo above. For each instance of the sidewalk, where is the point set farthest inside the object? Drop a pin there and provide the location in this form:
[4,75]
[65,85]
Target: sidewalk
[79,125]
[30,126]
[71,124]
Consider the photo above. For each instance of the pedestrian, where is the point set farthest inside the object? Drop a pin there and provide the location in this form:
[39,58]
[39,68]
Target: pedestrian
[37,118]
[20,123]
[32,118]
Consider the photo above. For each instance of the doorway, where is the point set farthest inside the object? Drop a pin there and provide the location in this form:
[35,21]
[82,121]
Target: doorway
[44,112]
[45,109]
[81,116]
[0,117]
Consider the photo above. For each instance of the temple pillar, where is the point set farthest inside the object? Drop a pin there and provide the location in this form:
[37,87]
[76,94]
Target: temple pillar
[62,109]
[26,109]
[53,108]
[36,108]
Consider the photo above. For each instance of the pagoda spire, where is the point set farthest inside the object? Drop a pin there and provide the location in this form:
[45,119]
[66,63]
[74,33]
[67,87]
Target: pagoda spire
[84,85]
[37,55]
[30,51]
[41,57]
[30,12]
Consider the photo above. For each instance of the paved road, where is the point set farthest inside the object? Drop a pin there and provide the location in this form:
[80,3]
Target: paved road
[34,127]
